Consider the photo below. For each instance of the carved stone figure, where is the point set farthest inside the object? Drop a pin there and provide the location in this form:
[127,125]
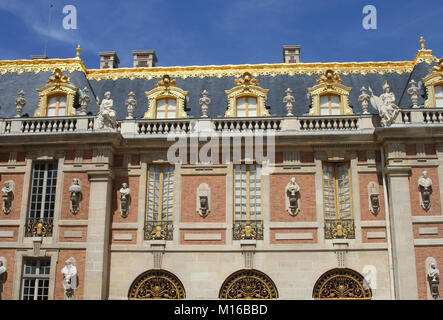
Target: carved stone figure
[385,104]
[288,100]
[130,105]
[2,274]
[125,200]
[433,275]
[204,103]
[84,100]
[107,116]
[413,92]
[364,100]
[203,199]
[374,198]
[76,195]
[69,273]
[20,103]
[292,197]
[425,189]
[8,196]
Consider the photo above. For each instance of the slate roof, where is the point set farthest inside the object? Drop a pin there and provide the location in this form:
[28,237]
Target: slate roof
[11,83]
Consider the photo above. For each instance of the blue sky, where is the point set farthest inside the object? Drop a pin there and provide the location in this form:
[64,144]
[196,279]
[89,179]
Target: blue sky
[214,32]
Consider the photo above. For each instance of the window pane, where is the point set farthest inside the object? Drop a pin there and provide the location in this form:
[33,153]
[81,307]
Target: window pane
[161,104]
[324,111]
[62,100]
[51,112]
[171,103]
[241,103]
[252,102]
[439,102]
[241,113]
[324,101]
[52,101]
[61,111]
[335,101]
[335,111]
[439,91]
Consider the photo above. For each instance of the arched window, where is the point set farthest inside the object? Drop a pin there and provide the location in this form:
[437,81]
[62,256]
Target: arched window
[166,108]
[156,284]
[56,105]
[330,97]
[247,99]
[342,284]
[56,97]
[248,284]
[439,96]
[166,101]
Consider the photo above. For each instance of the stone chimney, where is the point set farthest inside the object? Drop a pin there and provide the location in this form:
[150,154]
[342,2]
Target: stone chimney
[109,60]
[144,58]
[37,57]
[291,54]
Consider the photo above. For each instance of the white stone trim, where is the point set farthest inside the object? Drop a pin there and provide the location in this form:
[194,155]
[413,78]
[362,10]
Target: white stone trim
[72,234]
[294,225]
[376,235]
[202,225]
[8,223]
[202,236]
[427,219]
[433,230]
[71,223]
[294,236]
[123,236]
[7,234]
[428,242]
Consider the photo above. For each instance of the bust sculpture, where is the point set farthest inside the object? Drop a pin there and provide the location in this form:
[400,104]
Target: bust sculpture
[292,197]
[76,195]
[69,273]
[7,196]
[107,116]
[385,105]
[433,276]
[425,189]
[125,200]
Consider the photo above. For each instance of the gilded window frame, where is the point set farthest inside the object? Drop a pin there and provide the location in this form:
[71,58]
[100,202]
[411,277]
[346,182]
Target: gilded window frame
[431,81]
[166,89]
[330,84]
[57,85]
[247,86]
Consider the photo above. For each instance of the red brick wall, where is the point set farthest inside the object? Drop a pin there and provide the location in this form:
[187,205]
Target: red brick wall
[133,183]
[84,204]
[421,253]
[14,237]
[9,255]
[278,184]
[79,256]
[417,210]
[16,203]
[125,231]
[68,239]
[364,179]
[372,229]
[202,242]
[189,198]
[417,234]
[306,157]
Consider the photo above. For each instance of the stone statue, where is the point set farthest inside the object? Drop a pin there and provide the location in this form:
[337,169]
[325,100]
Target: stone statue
[289,100]
[292,197]
[204,103]
[385,104]
[413,92]
[76,195]
[125,200]
[130,105]
[374,198]
[7,196]
[107,116]
[2,274]
[20,103]
[433,275]
[425,189]
[364,100]
[203,200]
[84,100]
[69,273]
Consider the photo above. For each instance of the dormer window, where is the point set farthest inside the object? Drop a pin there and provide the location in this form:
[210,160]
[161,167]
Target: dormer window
[330,105]
[439,96]
[166,101]
[56,105]
[247,99]
[330,97]
[166,108]
[247,107]
[56,97]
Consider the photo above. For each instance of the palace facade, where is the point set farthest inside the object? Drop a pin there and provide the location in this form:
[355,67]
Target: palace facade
[272,181]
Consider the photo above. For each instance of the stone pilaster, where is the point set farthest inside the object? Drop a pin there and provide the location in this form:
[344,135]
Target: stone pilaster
[401,231]
[97,254]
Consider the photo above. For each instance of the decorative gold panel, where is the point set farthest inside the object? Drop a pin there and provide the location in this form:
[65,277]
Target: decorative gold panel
[248,284]
[166,89]
[58,84]
[156,284]
[330,84]
[342,283]
[431,81]
[247,86]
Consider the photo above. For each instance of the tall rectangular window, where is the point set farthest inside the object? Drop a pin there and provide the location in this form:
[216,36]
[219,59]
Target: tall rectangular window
[42,202]
[159,202]
[248,222]
[337,201]
[35,279]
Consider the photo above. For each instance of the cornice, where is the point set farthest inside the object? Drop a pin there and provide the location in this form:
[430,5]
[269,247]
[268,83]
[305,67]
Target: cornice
[41,65]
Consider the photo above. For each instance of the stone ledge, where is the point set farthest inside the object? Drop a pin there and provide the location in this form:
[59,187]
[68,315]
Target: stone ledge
[7,234]
[72,234]
[427,219]
[63,223]
[428,242]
